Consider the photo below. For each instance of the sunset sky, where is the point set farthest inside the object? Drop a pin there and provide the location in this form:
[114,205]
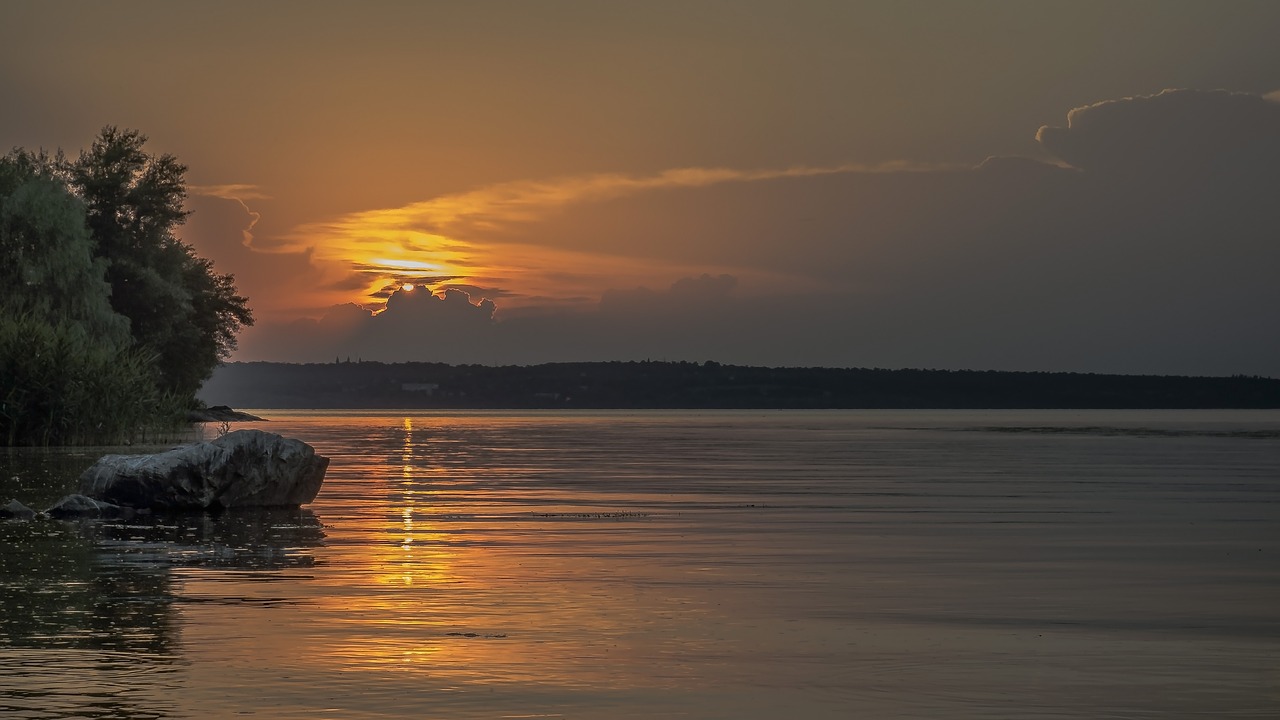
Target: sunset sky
[891,184]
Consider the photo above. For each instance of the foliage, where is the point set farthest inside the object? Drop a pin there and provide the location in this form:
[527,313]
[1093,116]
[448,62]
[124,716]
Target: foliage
[108,323]
[59,386]
[48,268]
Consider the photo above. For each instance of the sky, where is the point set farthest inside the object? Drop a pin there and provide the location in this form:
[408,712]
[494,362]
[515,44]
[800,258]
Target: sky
[1084,186]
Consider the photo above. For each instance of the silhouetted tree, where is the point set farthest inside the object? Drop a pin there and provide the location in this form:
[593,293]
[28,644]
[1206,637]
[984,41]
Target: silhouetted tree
[108,323]
[177,305]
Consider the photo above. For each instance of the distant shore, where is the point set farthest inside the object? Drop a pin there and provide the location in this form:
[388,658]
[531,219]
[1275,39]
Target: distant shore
[709,385]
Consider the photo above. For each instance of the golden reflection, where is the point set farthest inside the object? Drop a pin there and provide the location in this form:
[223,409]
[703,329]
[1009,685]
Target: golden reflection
[431,571]
[406,452]
[409,553]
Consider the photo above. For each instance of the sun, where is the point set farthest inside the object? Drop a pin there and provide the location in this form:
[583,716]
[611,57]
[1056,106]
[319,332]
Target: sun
[407,287]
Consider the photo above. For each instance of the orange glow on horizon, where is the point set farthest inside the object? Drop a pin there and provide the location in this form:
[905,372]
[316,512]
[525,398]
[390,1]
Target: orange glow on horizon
[462,241]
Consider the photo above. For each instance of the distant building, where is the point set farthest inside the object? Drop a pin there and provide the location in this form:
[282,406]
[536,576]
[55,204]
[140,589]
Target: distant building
[428,388]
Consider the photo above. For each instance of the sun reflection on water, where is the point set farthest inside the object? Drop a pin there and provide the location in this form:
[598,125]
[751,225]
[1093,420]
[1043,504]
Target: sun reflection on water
[439,568]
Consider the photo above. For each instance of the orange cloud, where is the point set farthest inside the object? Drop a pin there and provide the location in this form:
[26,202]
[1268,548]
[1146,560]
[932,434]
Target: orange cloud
[447,240]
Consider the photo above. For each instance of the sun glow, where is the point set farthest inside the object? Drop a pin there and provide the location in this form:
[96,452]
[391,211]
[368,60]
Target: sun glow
[486,240]
[407,287]
[406,264]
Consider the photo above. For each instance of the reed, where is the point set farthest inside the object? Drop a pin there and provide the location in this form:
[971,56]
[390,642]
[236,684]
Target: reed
[60,387]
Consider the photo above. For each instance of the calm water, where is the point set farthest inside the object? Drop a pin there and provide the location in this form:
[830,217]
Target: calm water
[699,565]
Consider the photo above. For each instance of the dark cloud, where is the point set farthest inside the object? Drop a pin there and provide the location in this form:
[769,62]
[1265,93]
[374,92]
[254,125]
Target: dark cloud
[481,292]
[452,307]
[345,318]
[1176,131]
[416,324]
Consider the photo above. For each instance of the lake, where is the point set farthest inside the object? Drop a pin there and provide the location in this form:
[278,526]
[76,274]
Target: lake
[837,564]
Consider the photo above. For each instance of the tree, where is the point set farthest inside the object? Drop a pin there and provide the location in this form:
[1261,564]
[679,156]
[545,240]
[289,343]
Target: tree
[177,305]
[68,371]
[108,322]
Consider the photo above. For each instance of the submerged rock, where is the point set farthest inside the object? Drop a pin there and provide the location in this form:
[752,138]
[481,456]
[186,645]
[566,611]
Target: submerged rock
[16,510]
[221,413]
[74,506]
[245,468]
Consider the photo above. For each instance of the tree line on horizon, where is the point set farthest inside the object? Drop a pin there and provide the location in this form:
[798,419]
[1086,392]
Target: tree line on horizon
[670,385]
[109,323]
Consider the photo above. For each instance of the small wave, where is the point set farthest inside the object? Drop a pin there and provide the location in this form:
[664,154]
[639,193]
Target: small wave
[592,515]
[1111,431]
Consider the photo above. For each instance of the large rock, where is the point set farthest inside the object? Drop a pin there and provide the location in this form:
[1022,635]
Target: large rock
[245,468]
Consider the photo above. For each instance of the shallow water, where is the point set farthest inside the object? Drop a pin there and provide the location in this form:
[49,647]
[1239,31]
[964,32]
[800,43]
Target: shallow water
[686,564]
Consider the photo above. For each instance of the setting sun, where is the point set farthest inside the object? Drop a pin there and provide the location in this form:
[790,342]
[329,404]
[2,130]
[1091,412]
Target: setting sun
[407,287]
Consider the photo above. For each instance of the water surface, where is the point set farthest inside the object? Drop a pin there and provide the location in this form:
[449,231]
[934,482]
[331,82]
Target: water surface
[684,564]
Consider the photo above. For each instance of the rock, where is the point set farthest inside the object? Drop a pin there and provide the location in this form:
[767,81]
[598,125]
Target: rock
[78,506]
[221,413]
[17,510]
[245,468]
